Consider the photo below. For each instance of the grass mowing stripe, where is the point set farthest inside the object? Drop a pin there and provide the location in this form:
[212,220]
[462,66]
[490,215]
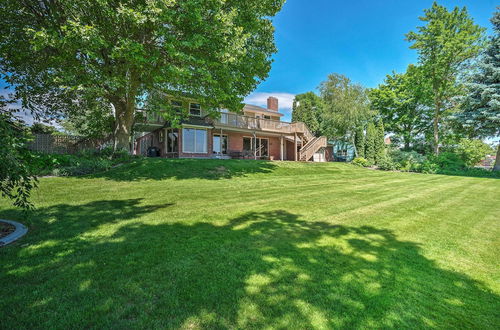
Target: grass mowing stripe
[167,243]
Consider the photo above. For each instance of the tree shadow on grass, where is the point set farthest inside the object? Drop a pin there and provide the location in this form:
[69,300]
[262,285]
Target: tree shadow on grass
[260,270]
[180,169]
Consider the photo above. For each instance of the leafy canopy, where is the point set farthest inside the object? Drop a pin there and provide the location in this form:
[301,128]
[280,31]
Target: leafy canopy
[308,108]
[404,103]
[444,44]
[62,55]
[346,106]
[16,178]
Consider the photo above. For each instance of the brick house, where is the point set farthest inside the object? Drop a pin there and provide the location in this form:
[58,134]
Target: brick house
[257,133]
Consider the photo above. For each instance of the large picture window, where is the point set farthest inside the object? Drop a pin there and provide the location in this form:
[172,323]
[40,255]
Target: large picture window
[194,140]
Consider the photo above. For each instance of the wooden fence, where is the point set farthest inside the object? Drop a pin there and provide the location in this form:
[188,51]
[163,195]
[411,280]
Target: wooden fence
[63,144]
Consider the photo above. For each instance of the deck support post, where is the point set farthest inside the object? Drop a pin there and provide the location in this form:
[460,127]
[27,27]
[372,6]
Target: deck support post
[281,147]
[254,146]
[295,146]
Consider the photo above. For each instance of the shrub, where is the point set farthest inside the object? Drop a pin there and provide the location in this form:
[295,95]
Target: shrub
[475,172]
[387,164]
[360,161]
[449,161]
[407,160]
[85,162]
[428,167]
[87,166]
[472,151]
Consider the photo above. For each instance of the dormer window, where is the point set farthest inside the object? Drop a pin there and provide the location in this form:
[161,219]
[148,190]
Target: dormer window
[194,109]
[176,106]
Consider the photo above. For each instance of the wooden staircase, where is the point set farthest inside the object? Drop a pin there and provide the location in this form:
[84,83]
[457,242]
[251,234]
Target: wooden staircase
[310,145]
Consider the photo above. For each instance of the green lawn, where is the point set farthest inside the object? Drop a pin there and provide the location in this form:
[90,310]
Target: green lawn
[250,244]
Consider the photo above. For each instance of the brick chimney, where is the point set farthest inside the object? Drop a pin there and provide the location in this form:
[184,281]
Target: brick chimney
[272,103]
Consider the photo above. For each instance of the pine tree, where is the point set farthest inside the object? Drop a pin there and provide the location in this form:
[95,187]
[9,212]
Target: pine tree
[379,141]
[359,142]
[371,134]
[481,110]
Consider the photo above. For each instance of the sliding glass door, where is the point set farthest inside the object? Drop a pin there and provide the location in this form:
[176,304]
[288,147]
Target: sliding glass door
[259,145]
[219,146]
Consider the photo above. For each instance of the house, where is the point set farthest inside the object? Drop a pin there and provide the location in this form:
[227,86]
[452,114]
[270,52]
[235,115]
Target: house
[257,133]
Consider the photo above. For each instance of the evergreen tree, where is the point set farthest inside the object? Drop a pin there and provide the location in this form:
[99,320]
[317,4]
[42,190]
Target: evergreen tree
[359,142]
[371,134]
[379,141]
[481,110]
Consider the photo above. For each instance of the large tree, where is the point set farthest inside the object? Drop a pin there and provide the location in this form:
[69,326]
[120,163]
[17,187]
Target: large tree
[64,54]
[308,108]
[446,41]
[480,114]
[346,107]
[404,103]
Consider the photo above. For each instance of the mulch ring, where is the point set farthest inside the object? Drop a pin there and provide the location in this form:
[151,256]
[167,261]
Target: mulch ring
[6,229]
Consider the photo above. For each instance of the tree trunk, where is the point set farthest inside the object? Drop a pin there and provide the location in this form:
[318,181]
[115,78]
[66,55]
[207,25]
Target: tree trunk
[124,119]
[435,125]
[356,153]
[497,160]
[406,140]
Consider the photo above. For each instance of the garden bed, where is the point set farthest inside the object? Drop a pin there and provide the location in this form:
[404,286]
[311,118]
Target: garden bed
[6,229]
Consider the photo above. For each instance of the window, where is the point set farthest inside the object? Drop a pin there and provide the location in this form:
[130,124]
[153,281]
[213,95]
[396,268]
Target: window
[194,109]
[172,140]
[176,106]
[194,140]
[161,135]
[217,144]
[342,153]
[267,117]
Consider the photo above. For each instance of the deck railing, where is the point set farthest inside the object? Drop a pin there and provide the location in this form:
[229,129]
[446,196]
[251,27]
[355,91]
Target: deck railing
[252,123]
[232,120]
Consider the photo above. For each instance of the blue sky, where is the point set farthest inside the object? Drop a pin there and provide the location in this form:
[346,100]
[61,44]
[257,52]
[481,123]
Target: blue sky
[362,39]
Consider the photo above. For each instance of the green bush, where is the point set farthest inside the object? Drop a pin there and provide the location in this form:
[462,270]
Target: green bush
[360,161]
[474,172]
[85,162]
[387,164]
[472,151]
[449,161]
[428,167]
[87,166]
[407,160]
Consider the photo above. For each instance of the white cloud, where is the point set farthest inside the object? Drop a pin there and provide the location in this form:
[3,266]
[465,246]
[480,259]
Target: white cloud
[285,100]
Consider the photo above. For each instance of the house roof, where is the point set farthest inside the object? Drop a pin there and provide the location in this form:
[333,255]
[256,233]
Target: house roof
[251,107]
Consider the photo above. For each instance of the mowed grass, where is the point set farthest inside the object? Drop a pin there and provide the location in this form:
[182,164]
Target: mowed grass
[252,244]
